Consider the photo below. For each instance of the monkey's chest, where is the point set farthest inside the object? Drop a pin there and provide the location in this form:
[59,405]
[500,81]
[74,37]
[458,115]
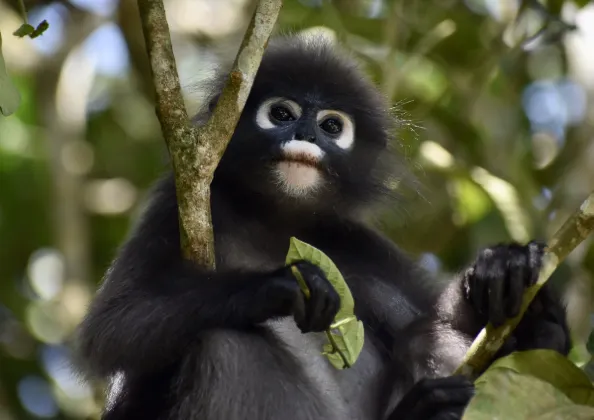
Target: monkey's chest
[250,250]
[267,373]
[353,390]
[279,363]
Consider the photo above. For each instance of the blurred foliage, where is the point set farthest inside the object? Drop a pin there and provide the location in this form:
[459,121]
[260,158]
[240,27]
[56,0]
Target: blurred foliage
[495,99]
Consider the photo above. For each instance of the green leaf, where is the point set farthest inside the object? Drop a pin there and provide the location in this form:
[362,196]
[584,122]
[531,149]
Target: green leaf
[579,354]
[345,343]
[24,30]
[472,201]
[551,367]
[537,384]
[569,412]
[503,393]
[27,30]
[582,3]
[41,28]
[346,335]
[10,97]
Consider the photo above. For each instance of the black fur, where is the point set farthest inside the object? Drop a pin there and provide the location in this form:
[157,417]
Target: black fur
[231,344]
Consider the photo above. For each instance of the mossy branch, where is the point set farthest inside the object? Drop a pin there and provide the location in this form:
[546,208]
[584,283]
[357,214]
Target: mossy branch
[565,240]
[196,152]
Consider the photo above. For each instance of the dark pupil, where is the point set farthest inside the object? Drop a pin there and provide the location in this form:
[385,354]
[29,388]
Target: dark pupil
[281,113]
[332,126]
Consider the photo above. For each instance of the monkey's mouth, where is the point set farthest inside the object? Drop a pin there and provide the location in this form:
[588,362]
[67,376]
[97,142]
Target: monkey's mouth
[300,159]
[298,174]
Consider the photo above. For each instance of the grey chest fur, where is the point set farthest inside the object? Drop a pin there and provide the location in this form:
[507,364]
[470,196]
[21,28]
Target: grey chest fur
[250,247]
[349,393]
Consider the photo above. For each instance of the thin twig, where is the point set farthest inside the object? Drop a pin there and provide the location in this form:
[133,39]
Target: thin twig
[23,10]
[196,152]
[567,238]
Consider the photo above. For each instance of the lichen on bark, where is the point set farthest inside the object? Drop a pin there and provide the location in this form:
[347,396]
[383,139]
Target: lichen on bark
[196,152]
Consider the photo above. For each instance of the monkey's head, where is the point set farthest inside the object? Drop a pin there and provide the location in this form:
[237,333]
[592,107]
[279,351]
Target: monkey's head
[313,131]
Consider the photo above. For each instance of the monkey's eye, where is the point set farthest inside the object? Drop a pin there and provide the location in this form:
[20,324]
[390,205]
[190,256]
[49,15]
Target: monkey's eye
[331,125]
[275,111]
[338,125]
[281,113]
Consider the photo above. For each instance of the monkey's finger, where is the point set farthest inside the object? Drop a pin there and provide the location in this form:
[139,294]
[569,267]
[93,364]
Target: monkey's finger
[315,312]
[450,413]
[494,275]
[332,306]
[440,401]
[481,284]
[477,293]
[430,396]
[299,310]
[515,289]
[496,302]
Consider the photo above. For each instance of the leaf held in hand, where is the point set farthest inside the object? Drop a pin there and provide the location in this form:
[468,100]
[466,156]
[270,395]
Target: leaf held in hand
[10,97]
[346,335]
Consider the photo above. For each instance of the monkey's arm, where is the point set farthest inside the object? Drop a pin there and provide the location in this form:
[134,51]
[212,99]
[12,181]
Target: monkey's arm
[428,349]
[491,290]
[416,383]
[153,304]
[145,316]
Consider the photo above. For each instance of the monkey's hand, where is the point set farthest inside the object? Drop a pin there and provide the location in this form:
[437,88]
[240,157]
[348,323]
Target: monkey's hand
[494,286]
[435,399]
[316,312]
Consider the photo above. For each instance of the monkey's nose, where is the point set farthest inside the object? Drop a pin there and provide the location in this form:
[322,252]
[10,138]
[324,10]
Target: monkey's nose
[305,137]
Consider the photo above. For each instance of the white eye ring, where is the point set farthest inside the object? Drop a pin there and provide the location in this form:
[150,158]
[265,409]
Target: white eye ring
[346,138]
[263,119]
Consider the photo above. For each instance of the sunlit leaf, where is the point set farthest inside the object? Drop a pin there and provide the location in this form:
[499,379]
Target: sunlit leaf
[582,3]
[551,367]
[568,412]
[506,394]
[421,76]
[472,202]
[579,354]
[555,6]
[346,334]
[537,383]
[506,198]
[10,97]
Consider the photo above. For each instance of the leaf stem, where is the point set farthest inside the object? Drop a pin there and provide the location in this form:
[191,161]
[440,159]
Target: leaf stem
[343,321]
[336,349]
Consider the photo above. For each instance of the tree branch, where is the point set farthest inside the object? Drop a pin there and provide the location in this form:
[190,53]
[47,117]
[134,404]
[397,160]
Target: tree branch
[196,152]
[565,240]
